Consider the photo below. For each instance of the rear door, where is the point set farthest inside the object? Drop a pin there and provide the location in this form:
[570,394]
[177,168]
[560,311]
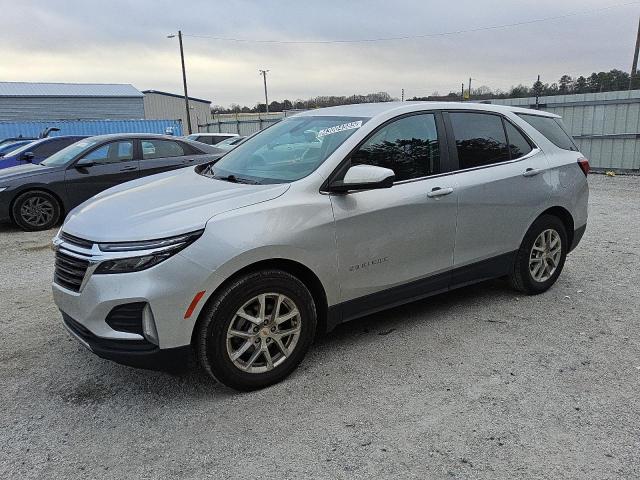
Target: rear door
[397,240]
[159,155]
[502,181]
[103,167]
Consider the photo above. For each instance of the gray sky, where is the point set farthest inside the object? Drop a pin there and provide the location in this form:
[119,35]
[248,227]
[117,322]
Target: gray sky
[125,42]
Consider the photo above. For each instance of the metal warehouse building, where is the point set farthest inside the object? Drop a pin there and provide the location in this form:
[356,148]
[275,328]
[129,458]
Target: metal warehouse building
[163,105]
[20,101]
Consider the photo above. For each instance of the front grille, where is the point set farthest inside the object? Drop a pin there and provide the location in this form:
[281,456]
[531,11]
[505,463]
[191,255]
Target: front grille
[69,271]
[79,242]
[127,317]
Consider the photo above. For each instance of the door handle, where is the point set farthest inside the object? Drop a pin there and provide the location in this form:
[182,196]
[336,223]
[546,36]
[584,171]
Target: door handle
[128,169]
[439,192]
[531,172]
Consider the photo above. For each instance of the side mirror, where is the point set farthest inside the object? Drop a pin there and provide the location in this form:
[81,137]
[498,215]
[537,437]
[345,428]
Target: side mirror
[84,163]
[28,156]
[364,177]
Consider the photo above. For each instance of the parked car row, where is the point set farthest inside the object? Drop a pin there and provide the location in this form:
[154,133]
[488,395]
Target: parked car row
[45,185]
[326,216]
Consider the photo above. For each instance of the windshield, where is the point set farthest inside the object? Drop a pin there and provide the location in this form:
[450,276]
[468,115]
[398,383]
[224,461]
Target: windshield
[10,147]
[21,148]
[287,151]
[67,154]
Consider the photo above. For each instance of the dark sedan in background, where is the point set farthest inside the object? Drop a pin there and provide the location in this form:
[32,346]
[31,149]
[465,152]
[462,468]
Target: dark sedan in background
[37,196]
[38,150]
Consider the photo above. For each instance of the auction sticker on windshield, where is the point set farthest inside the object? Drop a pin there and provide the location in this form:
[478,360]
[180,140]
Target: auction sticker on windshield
[340,128]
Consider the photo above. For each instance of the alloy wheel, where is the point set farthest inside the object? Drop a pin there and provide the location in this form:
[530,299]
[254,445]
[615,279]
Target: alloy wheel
[545,255]
[263,333]
[37,211]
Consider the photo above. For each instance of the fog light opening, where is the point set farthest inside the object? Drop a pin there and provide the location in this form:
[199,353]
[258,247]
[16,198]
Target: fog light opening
[149,325]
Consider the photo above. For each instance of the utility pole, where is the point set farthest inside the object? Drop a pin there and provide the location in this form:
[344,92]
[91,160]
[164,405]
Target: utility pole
[469,88]
[462,94]
[403,94]
[266,99]
[634,67]
[184,82]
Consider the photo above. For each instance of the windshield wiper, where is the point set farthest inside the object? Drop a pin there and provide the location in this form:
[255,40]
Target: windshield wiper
[234,179]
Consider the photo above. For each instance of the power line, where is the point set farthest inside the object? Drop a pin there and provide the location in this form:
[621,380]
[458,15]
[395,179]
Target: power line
[413,37]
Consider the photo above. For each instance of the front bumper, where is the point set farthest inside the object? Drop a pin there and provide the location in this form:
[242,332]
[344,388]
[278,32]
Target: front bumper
[134,353]
[166,290]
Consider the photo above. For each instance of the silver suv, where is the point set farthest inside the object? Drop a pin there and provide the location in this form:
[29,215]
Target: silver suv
[324,217]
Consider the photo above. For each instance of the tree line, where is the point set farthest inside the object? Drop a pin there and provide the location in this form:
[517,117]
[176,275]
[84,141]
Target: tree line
[596,82]
[300,104]
[612,80]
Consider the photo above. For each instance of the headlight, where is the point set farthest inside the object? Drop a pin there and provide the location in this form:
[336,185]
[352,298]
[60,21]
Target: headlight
[2,189]
[149,253]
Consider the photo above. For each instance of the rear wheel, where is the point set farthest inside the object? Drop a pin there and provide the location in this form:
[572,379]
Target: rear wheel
[541,256]
[36,210]
[257,330]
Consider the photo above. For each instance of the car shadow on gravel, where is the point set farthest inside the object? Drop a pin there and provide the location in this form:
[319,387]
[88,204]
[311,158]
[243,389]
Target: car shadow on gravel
[191,382]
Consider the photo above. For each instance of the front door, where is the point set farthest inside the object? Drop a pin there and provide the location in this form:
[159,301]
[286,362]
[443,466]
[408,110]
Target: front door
[105,166]
[396,244]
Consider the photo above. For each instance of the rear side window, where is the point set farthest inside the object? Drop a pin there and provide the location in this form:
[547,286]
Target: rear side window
[408,146]
[551,128]
[480,139]
[161,149]
[205,139]
[519,146]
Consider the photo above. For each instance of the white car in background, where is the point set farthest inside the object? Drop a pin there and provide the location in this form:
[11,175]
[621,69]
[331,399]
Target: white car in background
[230,143]
[211,138]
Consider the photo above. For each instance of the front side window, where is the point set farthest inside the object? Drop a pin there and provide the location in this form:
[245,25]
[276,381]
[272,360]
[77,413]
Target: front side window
[408,146]
[161,149]
[287,151]
[111,153]
[552,128]
[480,139]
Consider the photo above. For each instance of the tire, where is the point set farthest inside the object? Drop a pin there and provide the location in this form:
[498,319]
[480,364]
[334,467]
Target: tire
[36,210]
[536,271]
[216,343]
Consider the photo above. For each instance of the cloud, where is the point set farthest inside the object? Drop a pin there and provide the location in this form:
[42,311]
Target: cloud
[123,41]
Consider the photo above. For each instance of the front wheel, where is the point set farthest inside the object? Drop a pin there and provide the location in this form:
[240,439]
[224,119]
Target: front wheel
[541,256]
[257,330]
[36,210]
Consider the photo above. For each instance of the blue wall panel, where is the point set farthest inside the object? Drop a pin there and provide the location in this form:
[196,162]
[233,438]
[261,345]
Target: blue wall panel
[89,127]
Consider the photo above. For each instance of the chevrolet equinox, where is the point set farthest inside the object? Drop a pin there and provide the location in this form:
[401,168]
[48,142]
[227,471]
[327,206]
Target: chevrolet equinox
[326,216]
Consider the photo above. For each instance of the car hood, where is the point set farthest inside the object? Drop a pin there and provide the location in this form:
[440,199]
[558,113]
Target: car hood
[161,206]
[19,172]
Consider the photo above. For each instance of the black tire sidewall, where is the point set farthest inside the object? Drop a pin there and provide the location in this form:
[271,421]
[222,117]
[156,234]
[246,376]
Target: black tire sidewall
[212,331]
[543,223]
[22,198]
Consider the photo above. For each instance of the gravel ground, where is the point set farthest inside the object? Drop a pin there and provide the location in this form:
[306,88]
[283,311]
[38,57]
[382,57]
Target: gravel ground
[477,383]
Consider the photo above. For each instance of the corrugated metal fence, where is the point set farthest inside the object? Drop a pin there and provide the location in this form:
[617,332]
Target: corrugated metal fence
[606,126]
[89,127]
[244,123]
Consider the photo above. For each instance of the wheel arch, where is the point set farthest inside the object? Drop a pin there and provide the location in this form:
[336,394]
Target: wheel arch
[293,267]
[565,217]
[37,188]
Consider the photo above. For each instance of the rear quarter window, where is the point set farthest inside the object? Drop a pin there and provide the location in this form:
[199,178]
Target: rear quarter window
[552,129]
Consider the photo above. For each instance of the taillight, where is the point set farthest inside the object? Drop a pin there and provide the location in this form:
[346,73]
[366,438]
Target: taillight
[584,165]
